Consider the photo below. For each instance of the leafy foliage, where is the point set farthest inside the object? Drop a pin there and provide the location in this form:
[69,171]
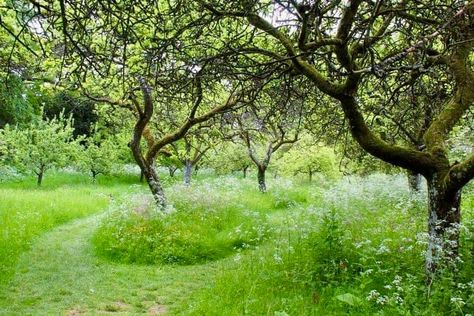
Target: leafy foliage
[98,157]
[309,159]
[17,104]
[81,110]
[45,144]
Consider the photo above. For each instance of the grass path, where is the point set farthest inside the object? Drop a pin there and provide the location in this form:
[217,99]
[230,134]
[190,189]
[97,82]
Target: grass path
[60,275]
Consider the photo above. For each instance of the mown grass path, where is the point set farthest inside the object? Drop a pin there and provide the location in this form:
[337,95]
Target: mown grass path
[60,275]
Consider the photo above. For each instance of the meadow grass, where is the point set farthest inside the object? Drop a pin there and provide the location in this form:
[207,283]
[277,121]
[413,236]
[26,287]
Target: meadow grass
[27,211]
[207,221]
[359,252]
[355,247]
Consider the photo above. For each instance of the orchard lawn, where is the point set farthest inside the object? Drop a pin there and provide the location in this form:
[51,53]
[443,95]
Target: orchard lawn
[352,247]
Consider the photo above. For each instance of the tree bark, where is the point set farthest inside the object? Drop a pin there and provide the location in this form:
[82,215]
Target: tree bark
[172,171]
[444,217]
[261,179]
[310,175]
[414,181]
[142,176]
[244,171]
[154,184]
[94,175]
[188,171]
[40,176]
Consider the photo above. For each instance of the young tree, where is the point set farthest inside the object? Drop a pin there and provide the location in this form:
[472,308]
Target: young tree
[229,157]
[171,162]
[262,164]
[195,147]
[45,144]
[269,123]
[305,157]
[98,156]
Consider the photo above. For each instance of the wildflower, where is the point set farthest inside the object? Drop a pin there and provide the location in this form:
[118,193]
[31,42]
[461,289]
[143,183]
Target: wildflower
[397,298]
[277,258]
[462,286]
[457,301]
[373,295]
[471,284]
[397,280]
[382,300]
[383,249]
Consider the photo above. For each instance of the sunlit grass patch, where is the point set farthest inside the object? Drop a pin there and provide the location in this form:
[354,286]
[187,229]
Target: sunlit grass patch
[26,213]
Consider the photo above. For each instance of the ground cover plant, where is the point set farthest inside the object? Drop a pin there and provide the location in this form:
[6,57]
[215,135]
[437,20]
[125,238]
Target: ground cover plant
[206,222]
[353,246]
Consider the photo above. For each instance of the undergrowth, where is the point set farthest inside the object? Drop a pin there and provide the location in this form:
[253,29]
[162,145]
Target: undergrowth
[208,221]
[359,252]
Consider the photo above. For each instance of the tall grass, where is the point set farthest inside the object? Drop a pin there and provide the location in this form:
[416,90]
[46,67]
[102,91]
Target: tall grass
[359,252]
[207,221]
[351,248]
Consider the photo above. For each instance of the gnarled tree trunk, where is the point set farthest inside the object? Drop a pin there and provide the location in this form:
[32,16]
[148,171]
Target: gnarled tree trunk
[154,184]
[414,181]
[444,217]
[244,171]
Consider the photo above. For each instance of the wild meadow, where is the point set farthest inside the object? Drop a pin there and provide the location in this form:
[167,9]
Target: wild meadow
[353,246]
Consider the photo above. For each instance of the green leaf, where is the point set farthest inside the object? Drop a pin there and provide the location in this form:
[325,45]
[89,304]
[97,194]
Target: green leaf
[349,298]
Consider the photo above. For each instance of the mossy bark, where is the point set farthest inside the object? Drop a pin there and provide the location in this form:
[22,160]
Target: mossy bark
[444,217]
[155,186]
[414,181]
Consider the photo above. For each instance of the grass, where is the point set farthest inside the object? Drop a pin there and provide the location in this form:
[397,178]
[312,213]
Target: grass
[355,247]
[60,275]
[27,211]
[360,252]
[209,221]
